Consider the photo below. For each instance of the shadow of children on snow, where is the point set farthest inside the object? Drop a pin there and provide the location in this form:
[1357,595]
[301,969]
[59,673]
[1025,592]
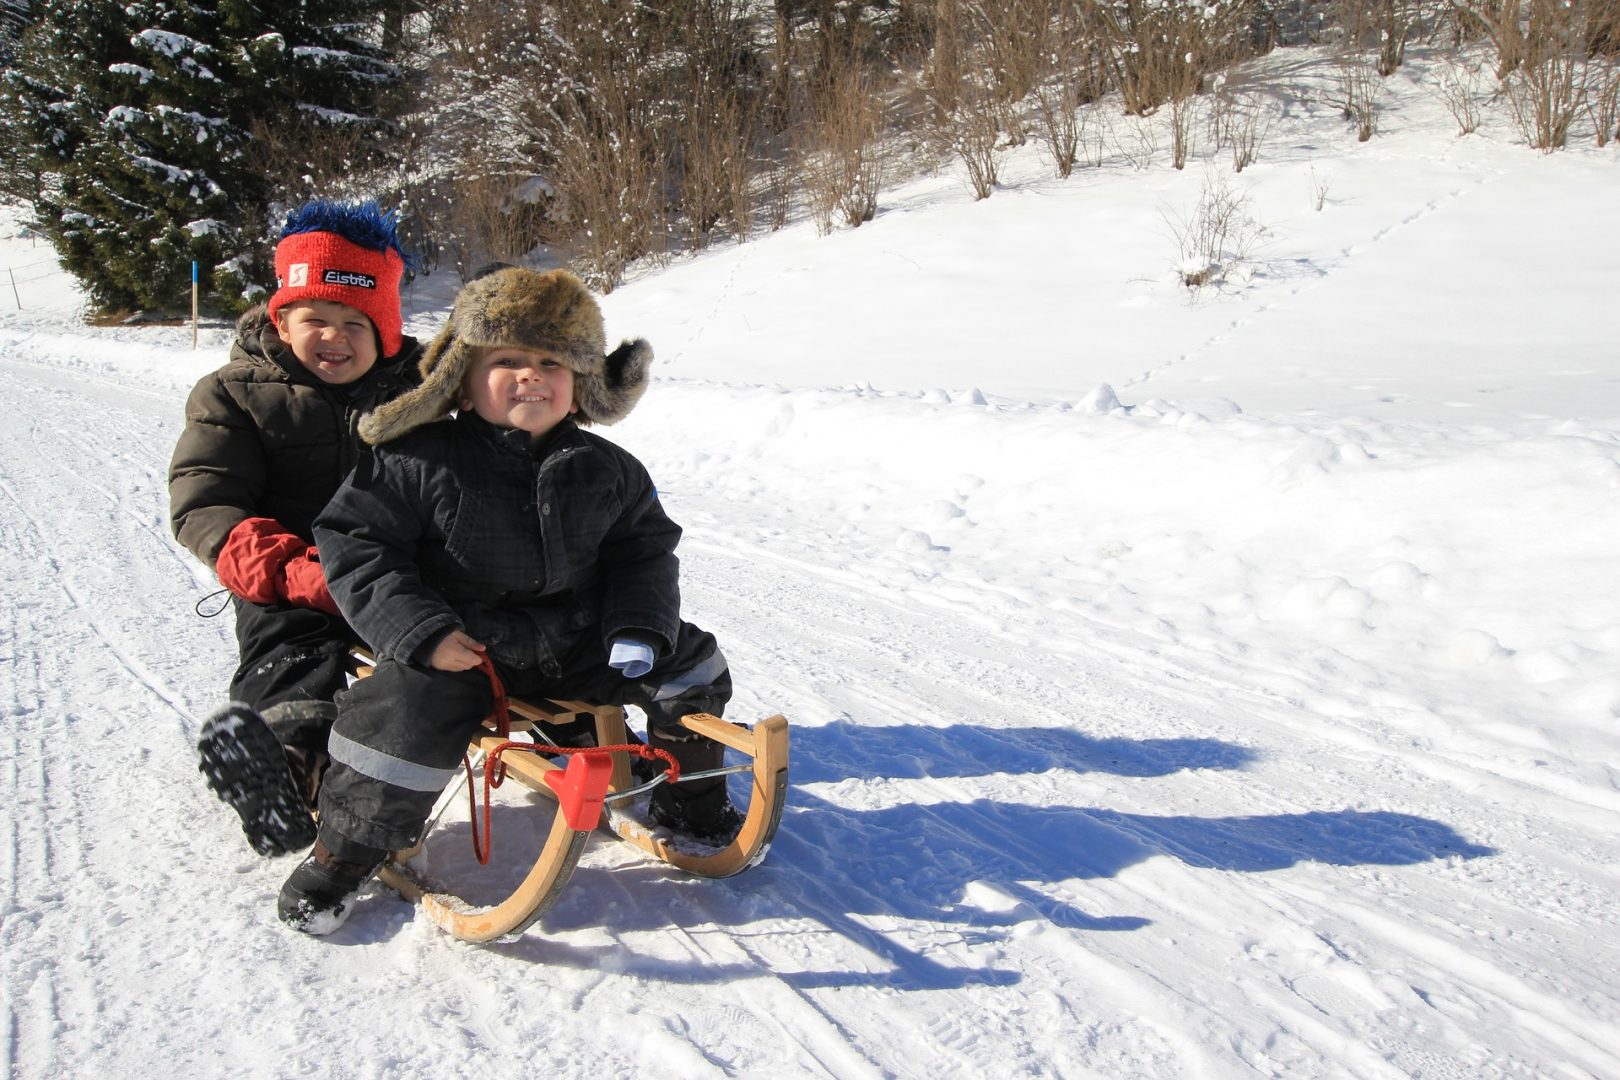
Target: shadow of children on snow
[975,867]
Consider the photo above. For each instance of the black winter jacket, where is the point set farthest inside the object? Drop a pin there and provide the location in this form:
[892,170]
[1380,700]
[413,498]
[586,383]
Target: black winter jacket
[526,547]
[266,438]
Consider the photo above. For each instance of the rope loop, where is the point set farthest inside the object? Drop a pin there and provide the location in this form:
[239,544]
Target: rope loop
[223,604]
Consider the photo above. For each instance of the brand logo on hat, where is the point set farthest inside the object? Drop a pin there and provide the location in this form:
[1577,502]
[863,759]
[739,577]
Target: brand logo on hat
[297,275]
[349,277]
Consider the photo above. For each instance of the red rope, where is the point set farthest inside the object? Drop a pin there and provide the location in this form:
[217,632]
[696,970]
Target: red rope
[495,769]
[502,711]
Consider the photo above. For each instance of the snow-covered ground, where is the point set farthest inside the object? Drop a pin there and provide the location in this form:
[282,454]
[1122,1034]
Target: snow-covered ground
[1221,686]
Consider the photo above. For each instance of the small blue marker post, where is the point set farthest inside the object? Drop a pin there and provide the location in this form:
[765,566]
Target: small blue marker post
[193,305]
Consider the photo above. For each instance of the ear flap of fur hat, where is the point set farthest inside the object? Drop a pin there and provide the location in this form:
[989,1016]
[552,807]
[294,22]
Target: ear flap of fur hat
[443,366]
[550,311]
[608,397]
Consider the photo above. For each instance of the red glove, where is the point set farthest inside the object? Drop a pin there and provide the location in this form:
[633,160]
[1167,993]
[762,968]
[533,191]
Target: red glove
[251,562]
[303,582]
[263,562]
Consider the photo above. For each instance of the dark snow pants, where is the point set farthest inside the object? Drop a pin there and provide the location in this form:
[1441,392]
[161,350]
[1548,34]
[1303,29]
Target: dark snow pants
[401,732]
[291,665]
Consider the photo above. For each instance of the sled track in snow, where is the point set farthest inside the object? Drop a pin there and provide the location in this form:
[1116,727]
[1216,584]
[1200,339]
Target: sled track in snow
[131,525]
[86,676]
[52,996]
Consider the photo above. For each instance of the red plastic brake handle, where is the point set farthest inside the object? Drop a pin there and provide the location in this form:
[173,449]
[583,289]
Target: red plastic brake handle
[581,788]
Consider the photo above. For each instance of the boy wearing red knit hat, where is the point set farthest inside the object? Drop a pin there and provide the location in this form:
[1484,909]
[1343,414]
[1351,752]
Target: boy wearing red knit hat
[268,438]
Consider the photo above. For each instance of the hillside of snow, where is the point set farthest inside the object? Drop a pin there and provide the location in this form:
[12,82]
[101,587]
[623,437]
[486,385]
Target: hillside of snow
[1182,684]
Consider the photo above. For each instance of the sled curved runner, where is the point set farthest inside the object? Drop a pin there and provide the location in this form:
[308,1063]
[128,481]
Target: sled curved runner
[766,744]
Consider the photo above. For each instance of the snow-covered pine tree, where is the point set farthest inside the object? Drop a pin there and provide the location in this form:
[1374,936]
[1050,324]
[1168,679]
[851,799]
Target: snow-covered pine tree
[19,161]
[145,117]
[14,17]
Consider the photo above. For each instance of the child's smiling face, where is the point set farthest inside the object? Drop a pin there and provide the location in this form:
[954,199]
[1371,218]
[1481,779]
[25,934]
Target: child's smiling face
[335,342]
[528,389]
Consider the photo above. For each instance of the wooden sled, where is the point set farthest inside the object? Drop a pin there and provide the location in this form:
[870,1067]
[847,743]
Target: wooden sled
[586,790]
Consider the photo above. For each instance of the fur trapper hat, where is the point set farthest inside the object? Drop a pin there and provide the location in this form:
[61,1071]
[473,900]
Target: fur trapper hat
[525,309]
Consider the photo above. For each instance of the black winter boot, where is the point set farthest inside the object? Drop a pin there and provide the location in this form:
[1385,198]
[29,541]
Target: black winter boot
[710,818]
[700,809]
[318,896]
[303,728]
[246,767]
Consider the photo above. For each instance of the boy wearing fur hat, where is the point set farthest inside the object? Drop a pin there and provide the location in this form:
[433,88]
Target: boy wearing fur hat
[268,438]
[510,534]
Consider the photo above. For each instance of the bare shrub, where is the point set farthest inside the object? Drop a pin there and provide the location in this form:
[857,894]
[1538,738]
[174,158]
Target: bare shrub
[1603,99]
[1499,20]
[610,173]
[965,119]
[1076,73]
[478,141]
[1545,95]
[972,132]
[1359,87]
[1459,87]
[1154,58]
[1319,189]
[840,154]
[1356,23]
[1008,43]
[943,71]
[1547,90]
[1601,37]
[492,217]
[1457,26]
[1247,131]
[1237,122]
[710,71]
[989,59]
[778,191]
[514,92]
[1133,138]
[1095,143]
[1163,51]
[713,137]
[1394,26]
[1381,27]
[1182,107]
[1062,124]
[737,171]
[309,157]
[1552,61]
[1218,235]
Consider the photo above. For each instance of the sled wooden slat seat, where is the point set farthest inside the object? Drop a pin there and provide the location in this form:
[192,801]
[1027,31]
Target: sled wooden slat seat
[766,744]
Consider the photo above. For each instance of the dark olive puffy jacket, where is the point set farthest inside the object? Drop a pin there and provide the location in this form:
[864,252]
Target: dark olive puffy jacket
[265,438]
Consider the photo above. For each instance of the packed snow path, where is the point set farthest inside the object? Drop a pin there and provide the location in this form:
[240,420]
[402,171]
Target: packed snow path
[1027,834]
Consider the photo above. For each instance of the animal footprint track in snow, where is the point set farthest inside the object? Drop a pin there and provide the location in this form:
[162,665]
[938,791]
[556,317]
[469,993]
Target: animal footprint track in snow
[915,542]
[947,513]
[1473,648]
[781,421]
[1397,575]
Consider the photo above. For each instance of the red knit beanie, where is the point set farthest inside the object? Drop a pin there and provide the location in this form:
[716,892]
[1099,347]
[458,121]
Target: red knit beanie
[317,260]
